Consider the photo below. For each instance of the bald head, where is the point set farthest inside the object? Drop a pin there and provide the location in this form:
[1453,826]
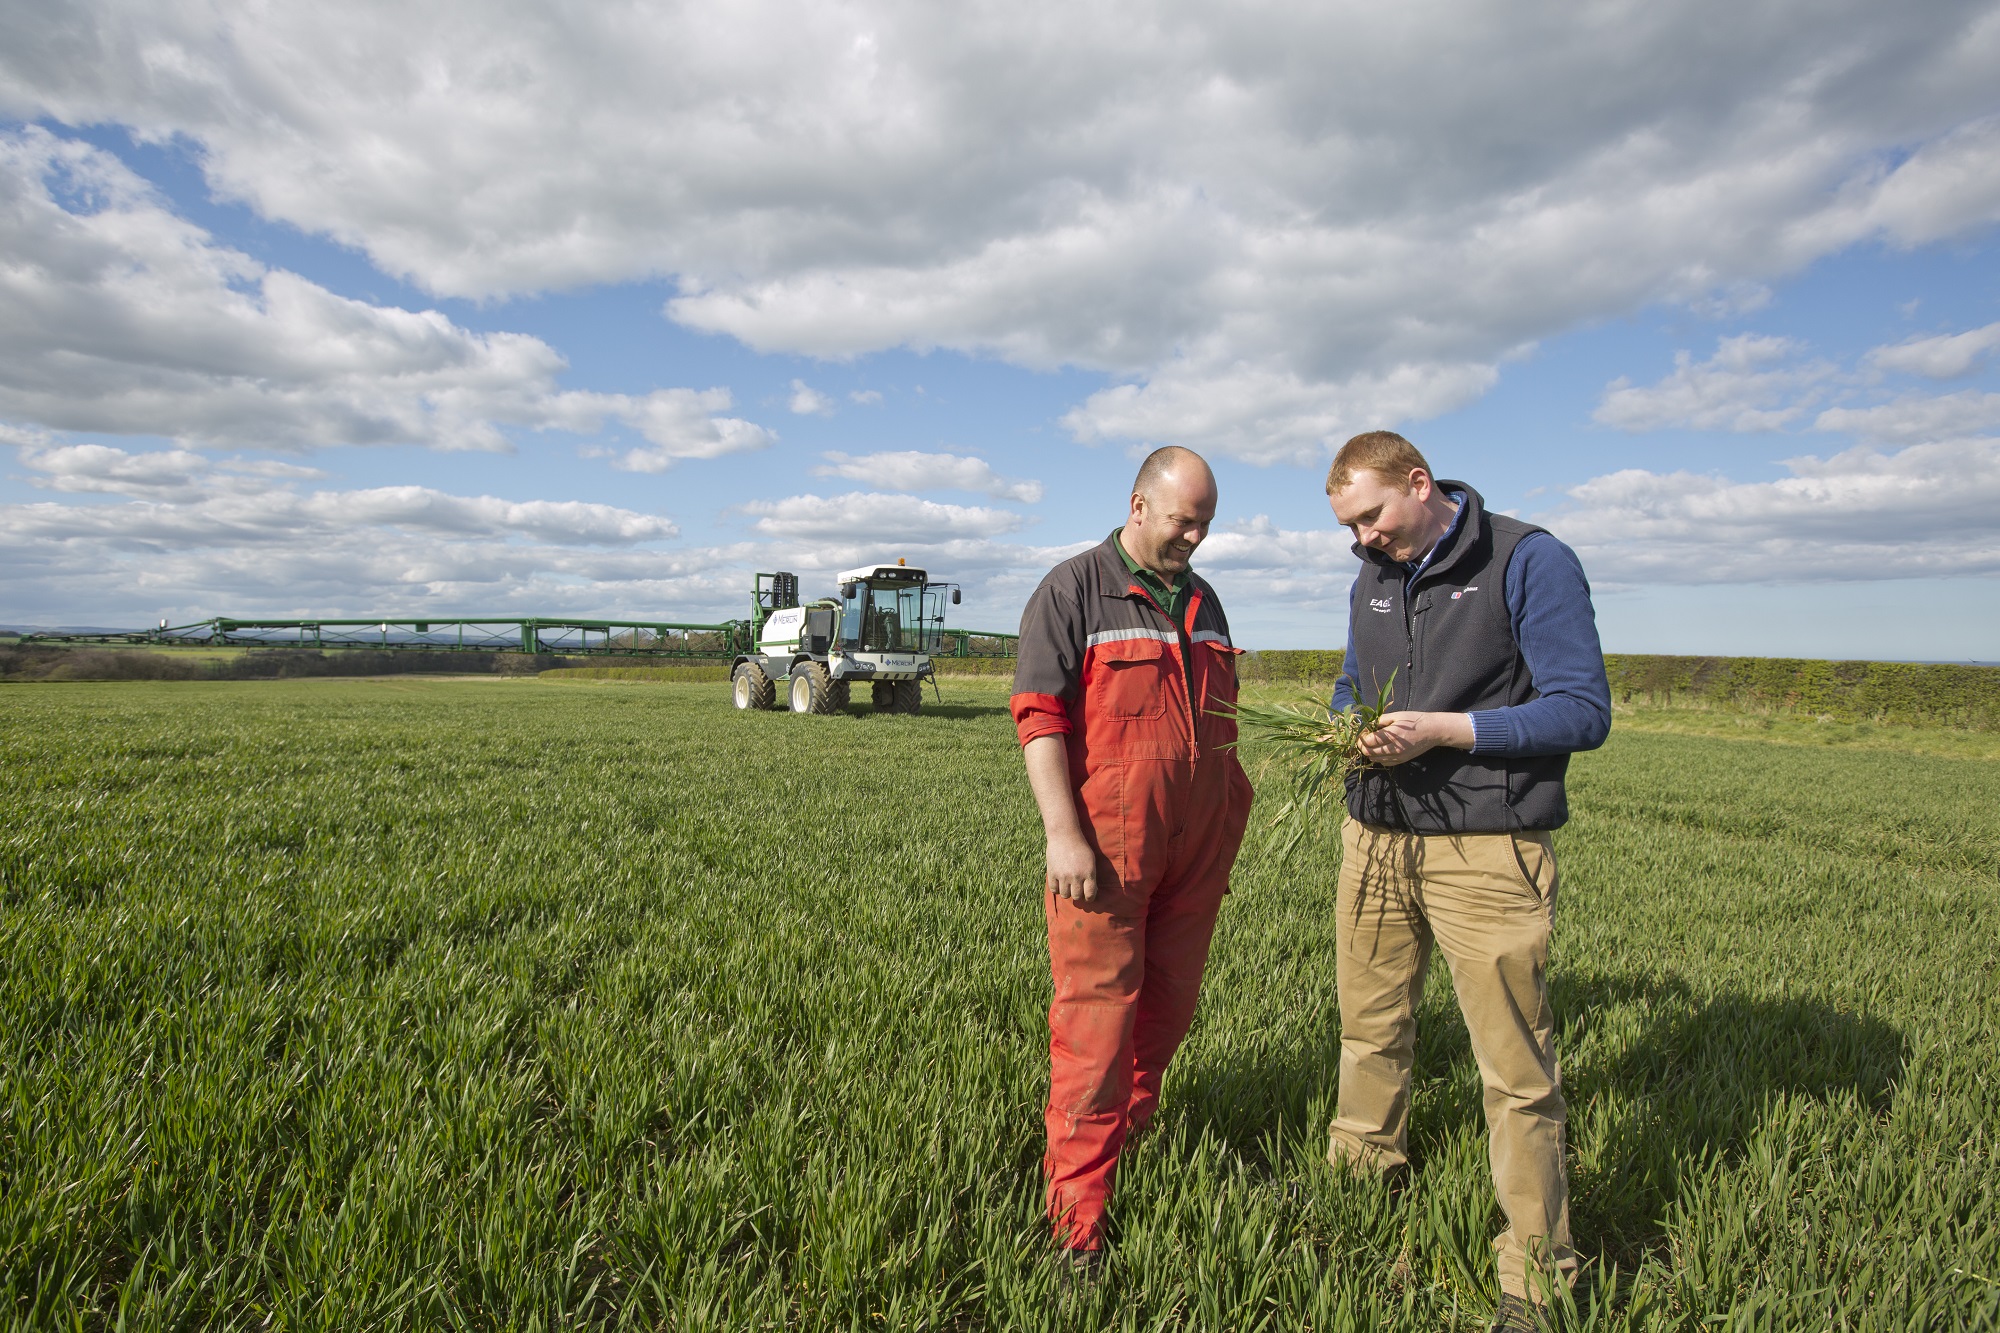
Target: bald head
[1172,460]
[1173,502]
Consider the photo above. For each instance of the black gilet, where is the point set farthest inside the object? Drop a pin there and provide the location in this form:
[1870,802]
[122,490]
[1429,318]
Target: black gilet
[1449,642]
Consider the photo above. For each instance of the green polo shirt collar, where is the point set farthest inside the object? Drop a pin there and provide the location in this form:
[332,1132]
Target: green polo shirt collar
[1168,595]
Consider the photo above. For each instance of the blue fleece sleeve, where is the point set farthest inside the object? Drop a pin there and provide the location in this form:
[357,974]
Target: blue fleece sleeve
[1350,674]
[1548,600]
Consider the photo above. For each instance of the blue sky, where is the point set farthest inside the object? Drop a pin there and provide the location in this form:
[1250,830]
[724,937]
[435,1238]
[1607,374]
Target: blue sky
[428,313]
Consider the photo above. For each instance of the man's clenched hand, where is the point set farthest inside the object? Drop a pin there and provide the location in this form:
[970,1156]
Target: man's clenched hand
[1072,869]
[1401,737]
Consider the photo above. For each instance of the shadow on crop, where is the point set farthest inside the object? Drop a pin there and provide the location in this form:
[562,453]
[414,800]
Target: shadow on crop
[1694,1078]
[1661,1079]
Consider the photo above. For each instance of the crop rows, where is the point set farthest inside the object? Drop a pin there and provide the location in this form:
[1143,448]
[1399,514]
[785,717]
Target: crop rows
[509,1004]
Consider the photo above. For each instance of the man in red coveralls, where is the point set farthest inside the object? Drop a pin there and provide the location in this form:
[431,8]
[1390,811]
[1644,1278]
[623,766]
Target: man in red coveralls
[1124,656]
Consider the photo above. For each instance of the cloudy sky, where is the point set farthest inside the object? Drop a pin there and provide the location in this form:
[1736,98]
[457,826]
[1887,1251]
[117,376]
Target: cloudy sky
[594,309]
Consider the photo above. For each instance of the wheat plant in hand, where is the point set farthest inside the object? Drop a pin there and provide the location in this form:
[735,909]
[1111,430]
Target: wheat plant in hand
[1314,752]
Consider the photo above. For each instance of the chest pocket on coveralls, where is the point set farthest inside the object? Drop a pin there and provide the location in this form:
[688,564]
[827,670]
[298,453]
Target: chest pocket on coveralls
[1130,680]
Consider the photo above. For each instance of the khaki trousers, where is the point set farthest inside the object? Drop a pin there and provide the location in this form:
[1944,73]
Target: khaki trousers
[1487,900]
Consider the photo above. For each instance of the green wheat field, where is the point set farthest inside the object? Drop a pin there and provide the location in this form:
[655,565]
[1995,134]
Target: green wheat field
[386,1004]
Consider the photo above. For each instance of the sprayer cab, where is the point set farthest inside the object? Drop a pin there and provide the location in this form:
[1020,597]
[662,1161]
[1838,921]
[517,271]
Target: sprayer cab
[883,628]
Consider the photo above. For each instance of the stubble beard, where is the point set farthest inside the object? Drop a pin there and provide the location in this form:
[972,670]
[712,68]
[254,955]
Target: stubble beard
[1169,560]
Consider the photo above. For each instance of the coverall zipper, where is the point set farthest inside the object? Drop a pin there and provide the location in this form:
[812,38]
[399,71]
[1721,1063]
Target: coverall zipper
[1187,672]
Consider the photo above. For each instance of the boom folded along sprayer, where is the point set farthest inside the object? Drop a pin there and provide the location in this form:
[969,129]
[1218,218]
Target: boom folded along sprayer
[885,627]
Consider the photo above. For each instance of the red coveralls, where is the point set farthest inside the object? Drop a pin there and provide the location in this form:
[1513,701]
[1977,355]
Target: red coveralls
[1164,807]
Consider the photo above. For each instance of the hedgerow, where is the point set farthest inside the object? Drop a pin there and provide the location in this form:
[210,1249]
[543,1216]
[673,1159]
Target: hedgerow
[1946,694]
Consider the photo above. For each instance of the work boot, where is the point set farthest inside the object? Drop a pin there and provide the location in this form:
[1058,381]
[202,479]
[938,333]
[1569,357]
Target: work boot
[1081,1268]
[1513,1316]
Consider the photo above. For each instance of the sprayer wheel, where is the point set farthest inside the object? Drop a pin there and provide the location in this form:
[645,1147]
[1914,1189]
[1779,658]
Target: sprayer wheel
[750,688]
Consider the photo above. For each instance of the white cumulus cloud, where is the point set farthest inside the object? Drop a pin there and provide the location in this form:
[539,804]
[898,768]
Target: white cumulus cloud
[1263,415]
[1752,383]
[187,498]
[1943,356]
[1272,226]
[118,316]
[1862,514]
[103,469]
[677,424]
[1917,417]
[911,470]
[865,516]
[807,401]
[1761,383]
[191,536]
[564,522]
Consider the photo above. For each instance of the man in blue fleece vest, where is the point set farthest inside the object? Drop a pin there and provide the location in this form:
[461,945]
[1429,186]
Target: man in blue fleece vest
[1478,630]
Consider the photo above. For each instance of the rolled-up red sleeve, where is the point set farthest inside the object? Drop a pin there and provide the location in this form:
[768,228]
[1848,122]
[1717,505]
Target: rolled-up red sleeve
[1039,715]
[1048,671]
